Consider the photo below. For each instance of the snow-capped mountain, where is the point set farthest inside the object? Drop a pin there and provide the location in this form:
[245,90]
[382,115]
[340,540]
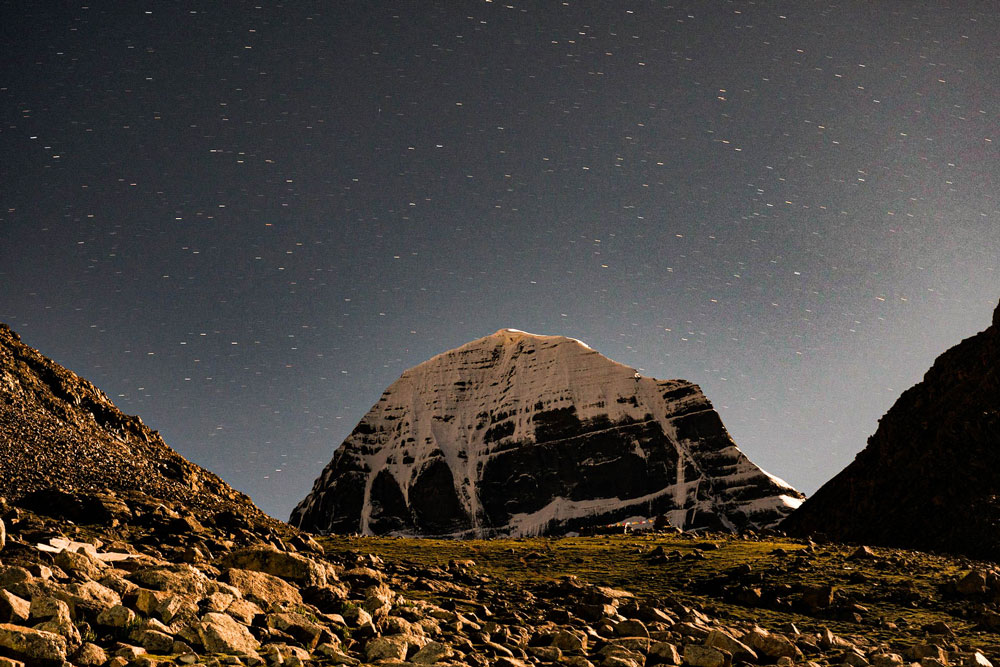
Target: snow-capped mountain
[519,434]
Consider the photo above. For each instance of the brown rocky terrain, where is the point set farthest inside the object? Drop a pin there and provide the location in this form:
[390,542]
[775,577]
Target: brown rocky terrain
[63,443]
[158,588]
[930,476]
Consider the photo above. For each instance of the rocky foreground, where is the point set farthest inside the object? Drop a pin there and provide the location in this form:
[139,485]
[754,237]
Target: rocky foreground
[149,585]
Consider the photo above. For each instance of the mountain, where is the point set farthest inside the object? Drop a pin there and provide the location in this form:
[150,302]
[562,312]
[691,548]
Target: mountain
[929,478]
[519,434]
[66,448]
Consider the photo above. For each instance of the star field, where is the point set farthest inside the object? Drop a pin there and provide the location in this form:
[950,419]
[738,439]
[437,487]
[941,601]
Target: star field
[244,221]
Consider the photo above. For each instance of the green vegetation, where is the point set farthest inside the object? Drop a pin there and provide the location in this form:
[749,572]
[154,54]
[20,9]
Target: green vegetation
[891,595]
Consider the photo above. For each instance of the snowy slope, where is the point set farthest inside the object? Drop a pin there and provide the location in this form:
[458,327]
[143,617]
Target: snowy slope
[520,434]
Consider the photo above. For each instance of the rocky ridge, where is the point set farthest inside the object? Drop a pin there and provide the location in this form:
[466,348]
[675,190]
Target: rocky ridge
[929,478]
[62,440]
[520,434]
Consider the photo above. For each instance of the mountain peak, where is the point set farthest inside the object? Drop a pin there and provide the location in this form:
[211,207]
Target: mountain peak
[517,433]
[517,335]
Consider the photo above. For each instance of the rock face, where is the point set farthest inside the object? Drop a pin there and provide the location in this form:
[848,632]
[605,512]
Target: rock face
[521,434]
[65,447]
[929,478]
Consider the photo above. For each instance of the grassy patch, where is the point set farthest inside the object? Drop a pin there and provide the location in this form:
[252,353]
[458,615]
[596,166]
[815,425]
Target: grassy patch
[890,597]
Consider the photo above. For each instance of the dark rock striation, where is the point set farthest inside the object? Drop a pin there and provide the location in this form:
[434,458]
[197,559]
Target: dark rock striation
[518,434]
[66,449]
[929,478]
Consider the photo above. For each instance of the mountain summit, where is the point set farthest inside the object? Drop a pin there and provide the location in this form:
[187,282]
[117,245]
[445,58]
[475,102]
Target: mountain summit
[519,434]
[929,478]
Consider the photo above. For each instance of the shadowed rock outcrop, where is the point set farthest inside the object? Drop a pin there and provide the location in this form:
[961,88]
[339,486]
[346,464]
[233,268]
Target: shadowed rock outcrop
[929,478]
[519,434]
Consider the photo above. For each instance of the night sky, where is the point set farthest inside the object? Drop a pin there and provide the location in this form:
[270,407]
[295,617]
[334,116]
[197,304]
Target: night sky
[244,221]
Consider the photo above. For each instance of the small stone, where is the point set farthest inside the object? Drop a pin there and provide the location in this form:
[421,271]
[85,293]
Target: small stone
[3,535]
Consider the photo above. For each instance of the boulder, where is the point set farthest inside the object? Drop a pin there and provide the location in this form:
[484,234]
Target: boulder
[13,609]
[291,566]
[631,628]
[570,642]
[298,626]
[433,652]
[264,589]
[221,634]
[80,564]
[705,656]
[87,599]
[386,648]
[771,644]
[36,646]
[723,640]
[117,617]
[816,598]
[180,578]
[973,583]
[90,655]
[665,652]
